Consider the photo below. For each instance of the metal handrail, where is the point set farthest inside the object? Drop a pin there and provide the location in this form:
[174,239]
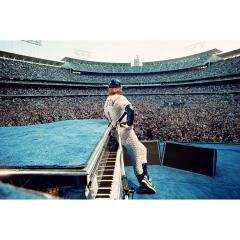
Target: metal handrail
[121,151]
[125,188]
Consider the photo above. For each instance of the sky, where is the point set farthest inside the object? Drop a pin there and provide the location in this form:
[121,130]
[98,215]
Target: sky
[116,51]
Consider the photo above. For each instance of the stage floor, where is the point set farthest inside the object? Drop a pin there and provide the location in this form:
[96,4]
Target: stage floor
[64,144]
[69,144]
[178,184]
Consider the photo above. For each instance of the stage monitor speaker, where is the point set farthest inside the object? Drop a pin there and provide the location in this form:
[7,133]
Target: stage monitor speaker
[153,156]
[190,158]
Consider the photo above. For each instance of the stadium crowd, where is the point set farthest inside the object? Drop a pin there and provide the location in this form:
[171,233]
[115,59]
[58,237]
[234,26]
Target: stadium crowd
[188,118]
[184,118]
[20,70]
[61,91]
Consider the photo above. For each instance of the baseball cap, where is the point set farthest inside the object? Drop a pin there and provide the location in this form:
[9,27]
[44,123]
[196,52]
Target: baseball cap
[114,83]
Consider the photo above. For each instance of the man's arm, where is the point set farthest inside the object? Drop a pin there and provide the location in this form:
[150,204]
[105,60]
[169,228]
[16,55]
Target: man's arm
[130,117]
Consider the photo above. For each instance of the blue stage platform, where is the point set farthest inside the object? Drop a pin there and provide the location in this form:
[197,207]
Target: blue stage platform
[69,144]
[178,184]
[65,144]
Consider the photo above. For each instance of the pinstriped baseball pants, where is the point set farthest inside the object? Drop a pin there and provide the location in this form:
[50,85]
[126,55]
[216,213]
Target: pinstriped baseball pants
[136,150]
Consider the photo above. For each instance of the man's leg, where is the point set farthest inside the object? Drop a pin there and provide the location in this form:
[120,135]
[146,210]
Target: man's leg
[138,155]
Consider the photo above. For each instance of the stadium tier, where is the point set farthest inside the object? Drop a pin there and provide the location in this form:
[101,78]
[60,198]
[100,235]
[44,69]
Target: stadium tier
[79,71]
[69,90]
[147,67]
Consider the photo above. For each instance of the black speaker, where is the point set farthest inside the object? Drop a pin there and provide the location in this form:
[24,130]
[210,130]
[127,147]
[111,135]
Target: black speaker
[190,158]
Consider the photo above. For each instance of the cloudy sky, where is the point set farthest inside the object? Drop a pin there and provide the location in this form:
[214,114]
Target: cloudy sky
[116,51]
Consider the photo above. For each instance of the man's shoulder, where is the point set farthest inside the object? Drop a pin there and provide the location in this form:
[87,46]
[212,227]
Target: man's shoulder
[121,98]
[117,99]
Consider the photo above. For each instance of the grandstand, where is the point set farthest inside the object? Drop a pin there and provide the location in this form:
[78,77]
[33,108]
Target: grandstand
[18,67]
[192,61]
[52,90]
[24,58]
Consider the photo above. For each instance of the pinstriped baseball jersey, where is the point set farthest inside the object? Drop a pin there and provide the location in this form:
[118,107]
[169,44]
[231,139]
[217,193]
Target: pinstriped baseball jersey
[114,107]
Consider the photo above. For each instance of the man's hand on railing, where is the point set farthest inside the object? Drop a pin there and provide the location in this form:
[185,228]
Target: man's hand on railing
[112,124]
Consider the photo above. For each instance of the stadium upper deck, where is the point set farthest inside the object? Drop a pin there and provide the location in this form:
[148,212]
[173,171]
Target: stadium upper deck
[196,67]
[14,56]
[147,67]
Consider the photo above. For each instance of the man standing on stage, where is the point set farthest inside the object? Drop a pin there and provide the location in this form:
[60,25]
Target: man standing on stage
[118,109]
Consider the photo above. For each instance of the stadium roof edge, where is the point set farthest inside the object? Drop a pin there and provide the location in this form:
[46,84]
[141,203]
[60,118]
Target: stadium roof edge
[29,58]
[212,51]
[93,62]
[228,54]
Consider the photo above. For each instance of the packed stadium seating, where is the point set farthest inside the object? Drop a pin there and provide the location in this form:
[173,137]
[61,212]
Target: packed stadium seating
[169,117]
[217,88]
[15,69]
[194,100]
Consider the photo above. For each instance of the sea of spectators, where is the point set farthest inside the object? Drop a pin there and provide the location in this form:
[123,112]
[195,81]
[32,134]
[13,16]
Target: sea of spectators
[20,70]
[16,69]
[216,88]
[188,118]
[28,111]
[61,91]
[49,90]
[102,67]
